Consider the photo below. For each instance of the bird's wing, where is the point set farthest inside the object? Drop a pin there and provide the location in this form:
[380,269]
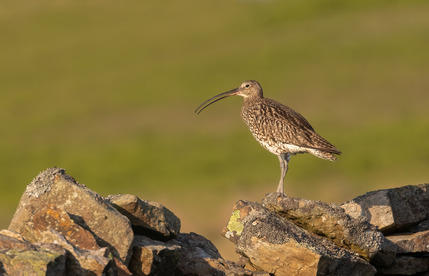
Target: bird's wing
[288,126]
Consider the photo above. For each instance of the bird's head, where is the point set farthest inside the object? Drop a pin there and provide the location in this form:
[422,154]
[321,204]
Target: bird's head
[248,89]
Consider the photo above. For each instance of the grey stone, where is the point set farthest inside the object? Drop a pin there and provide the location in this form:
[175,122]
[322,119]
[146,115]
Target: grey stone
[49,219]
[20,257]
[411,242]
[152,257]
[406,265]
[392,209]
[53,188]
[199,257]
[80,261]
[147,217]
[331,221]
[278,246]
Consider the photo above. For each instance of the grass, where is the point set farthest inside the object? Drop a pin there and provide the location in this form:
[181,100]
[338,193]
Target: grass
[107,91]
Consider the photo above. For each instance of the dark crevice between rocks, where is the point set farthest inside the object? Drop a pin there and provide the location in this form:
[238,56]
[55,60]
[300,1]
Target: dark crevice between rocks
[140,230]
[72,264]
[414,254]
[2,270]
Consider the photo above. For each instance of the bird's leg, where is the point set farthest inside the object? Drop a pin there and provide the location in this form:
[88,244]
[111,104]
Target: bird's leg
[284,159]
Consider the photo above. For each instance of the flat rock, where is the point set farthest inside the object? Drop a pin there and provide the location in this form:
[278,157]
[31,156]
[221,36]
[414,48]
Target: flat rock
[332,222]
[199,257]
[54,188]
[147,218]
[152,257]
[187,254]
[12,234]
[80,261]
[411,242]
[83,257]
[406,265]
[20,257]
[392,209]
[49,219]
[278,246]
[51,247]
[12,240]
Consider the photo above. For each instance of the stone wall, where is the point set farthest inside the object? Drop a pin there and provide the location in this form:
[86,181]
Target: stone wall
[63,228]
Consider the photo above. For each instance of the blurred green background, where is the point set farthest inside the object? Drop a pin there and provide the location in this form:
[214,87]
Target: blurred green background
[107,90]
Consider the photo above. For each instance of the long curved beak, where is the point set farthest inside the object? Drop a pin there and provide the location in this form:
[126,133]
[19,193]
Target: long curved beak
[215,99]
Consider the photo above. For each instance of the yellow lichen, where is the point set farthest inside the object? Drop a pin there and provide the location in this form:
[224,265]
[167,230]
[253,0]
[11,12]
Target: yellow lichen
[234,224]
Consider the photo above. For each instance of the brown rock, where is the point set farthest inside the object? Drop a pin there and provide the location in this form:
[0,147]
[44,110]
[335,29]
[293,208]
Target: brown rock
[411,242]
[200,257]
[277,246]
[406,265]
[49,219]
[12,234]
[243,262]
[121,268]
[55,227]
[244,269]
[151,257]
[147,218]
[392,209]
[188,254]
[331,221]
[56,189]
[19,257]
[29,255]
[12,240]
[79,261]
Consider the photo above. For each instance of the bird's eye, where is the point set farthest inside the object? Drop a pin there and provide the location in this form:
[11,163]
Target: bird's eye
[247,85]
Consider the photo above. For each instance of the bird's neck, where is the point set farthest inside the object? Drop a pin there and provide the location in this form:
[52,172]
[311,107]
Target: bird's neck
[252,99]
[249,103]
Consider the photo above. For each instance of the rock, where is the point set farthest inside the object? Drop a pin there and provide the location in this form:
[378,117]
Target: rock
[406,265]
[188,254]
[20,257]
[54,188]
[12,234]
[48,220]
[277,246]
[331,221]
[422,226]
[63,228]
[411,242]
[199,256]
[85,256]
[243,262]
[121,268]
[76,261]
[12,240]
[243,270]
[392,209]
[147,218]
[80,261]
[151,257]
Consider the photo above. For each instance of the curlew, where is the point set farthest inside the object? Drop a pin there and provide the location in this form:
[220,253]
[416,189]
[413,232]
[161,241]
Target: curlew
[278,128]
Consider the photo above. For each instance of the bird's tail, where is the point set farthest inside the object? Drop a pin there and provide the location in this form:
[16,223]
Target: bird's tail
[324,154]
[323,149]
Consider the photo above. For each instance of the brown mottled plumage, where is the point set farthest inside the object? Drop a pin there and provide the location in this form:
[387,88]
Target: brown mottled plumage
[278,128]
